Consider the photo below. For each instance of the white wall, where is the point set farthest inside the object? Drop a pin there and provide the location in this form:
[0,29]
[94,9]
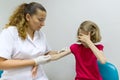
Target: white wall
[63,19]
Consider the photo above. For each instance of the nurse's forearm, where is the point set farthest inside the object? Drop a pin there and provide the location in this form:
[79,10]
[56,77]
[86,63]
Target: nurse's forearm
[9,64]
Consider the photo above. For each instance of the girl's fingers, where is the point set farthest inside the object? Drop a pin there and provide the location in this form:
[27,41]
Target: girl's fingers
[88,33]
[81,34]
[79,37]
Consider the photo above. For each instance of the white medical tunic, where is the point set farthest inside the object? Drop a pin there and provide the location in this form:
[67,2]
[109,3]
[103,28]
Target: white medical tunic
[12,47]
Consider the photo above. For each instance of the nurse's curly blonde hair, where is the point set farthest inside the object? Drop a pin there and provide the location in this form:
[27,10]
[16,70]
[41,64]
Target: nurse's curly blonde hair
[18,18]
[89,26]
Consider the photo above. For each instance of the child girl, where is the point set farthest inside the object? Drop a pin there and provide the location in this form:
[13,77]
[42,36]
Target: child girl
[86,52]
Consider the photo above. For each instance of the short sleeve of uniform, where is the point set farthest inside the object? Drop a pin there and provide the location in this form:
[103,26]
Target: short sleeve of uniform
[6,44]
[100,47]
[46,42]
[47,47]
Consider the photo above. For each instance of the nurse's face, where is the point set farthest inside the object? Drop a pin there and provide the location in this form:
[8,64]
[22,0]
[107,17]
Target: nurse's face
[37,20]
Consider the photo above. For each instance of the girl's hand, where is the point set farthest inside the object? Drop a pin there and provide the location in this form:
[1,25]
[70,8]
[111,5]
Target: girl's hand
[84,38]
[34,71]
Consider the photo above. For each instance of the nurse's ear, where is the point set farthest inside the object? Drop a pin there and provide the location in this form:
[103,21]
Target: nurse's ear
[28,17]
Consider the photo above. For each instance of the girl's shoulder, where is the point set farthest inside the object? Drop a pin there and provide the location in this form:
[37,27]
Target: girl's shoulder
[75,45]
[99,46]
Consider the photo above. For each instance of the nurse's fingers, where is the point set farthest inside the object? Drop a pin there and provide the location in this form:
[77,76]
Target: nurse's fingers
[34,71]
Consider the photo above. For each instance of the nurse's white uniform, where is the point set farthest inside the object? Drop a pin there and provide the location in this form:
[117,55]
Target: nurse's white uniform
[12,47]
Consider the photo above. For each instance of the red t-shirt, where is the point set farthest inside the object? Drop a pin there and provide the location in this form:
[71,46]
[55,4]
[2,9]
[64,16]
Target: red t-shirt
[86,62]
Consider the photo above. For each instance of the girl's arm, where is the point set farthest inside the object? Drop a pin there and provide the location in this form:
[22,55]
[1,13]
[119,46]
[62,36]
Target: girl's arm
[60,54]
[98,53]
[51,52]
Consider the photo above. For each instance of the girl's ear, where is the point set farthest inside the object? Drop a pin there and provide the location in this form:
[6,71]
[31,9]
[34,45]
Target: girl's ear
[27,17]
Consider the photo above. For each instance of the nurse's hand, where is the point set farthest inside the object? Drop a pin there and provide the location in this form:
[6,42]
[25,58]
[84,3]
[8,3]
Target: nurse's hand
[42,59]
[34,71]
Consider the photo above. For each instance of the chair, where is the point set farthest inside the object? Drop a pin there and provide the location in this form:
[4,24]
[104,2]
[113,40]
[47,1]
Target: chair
[1,72]
[108,71]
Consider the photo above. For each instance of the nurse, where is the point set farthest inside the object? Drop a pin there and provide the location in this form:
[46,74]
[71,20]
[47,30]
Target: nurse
[23,45]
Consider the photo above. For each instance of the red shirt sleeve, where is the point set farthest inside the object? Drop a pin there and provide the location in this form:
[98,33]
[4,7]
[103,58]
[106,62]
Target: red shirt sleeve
[100,47]
[73,47]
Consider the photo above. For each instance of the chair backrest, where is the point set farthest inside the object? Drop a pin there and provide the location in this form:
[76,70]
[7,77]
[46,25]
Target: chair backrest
[108,71]
[1,72]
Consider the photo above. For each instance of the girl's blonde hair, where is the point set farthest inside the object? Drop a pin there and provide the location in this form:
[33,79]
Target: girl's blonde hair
[18,18]
[89,26]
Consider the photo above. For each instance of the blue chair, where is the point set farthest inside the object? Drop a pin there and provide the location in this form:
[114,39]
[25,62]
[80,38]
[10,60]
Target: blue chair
[1,72]
[108,71]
